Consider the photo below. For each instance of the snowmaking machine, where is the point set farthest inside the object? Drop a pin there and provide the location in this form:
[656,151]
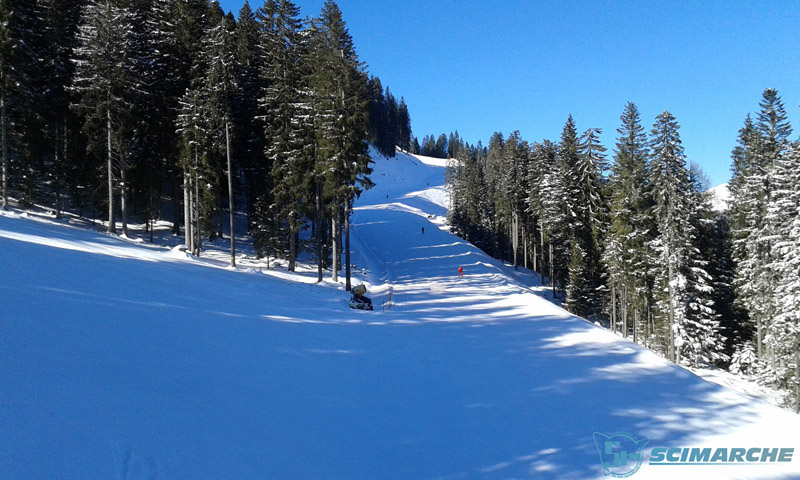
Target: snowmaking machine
[358,301]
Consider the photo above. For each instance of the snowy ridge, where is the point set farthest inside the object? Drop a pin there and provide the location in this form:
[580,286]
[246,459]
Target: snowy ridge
[120,360]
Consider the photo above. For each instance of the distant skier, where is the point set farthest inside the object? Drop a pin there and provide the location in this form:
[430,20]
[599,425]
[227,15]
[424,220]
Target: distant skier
[423,230]
[460,271]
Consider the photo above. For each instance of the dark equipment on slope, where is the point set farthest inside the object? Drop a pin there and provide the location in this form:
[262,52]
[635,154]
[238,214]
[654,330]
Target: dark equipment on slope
[358,300]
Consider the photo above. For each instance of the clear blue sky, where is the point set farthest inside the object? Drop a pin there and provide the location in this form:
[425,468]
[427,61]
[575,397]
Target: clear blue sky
[481,66]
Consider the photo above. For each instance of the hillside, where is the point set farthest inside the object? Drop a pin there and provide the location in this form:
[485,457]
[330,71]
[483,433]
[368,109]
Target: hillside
[123,361]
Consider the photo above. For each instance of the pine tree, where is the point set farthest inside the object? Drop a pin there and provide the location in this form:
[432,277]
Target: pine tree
[285,105]
[341,123]
[554,213]
[626,256]
[671,188]
[782,332]
[762,146]
[22,86]
[583,159]
[249,144]
[104,81]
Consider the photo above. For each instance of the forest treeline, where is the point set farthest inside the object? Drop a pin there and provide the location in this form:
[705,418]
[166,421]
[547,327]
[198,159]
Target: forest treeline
[171,109]
[632,241]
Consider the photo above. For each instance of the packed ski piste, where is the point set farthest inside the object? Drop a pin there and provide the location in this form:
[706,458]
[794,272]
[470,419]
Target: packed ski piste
[124,360]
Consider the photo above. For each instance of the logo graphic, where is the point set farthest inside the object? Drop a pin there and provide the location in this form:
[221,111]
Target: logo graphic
[620,453]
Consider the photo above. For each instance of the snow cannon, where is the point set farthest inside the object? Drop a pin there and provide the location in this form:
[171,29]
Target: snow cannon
[358,301]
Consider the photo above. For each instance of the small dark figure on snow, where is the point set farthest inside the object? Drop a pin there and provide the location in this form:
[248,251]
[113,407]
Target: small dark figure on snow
[358,301]
[423,230]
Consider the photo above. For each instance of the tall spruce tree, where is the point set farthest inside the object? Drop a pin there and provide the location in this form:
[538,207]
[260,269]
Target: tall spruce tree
[762,145]
[583,159]
[285,105]
[105,83]
[671,188]
[626,255]
[341,123]
[783,331]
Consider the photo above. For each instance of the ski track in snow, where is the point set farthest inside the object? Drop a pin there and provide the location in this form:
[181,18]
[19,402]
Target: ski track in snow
[122,361]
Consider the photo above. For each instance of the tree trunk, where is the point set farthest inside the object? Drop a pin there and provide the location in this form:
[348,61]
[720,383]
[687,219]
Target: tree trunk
[672,353]
[56,175]
[112,225]
[797,378]
[123,194]
[198,240]
[347,245]
[4,140]
[292,245]
[624,307]
[514,236]
[541,250]
[319,230]
[614,308]
[335,246]
[176,206]
[552,280]
[230,195]
[187,211]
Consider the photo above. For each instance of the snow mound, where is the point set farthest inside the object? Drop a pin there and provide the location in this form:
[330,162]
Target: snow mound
[720,198]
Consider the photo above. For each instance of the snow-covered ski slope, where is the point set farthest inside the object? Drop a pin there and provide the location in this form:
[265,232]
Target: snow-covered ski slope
[122,361]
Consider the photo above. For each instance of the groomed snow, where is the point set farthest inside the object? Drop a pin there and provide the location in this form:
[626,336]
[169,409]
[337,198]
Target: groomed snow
[123,361]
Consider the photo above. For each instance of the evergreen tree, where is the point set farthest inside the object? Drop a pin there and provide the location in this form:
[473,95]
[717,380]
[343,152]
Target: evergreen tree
[105,82]
[626,257]
[285,106]
[249,143]
[341,123]
[761,148]
[583,159]
[21,85]
[783,332]
[671,188]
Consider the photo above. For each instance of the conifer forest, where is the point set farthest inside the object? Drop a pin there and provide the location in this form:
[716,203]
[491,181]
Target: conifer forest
[135,111]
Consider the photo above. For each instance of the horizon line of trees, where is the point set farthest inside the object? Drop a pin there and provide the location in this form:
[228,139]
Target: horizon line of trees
[635,244]
[170,108]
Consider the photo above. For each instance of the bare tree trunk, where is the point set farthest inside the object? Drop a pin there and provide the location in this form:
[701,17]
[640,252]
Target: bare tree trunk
[187,211]
[292,245]
[624,307]
[112,224]
[672,353]
[335,246]
[759,338]
[198,240]
[123,194]
[176,206]
[320,231]
[230,196]
[797,378]
[347,245]
[552,280]
[514,235]
[543,269]
[614,307]
[56,176]
[4,139]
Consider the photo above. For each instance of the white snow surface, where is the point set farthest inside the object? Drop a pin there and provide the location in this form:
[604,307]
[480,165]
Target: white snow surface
[720,197]
[120,360]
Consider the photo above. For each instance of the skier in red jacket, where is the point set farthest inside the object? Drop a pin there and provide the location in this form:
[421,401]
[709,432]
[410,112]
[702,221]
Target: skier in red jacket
[461,271]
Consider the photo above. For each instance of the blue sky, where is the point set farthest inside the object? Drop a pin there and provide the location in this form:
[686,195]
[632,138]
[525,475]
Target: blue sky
[480,67]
